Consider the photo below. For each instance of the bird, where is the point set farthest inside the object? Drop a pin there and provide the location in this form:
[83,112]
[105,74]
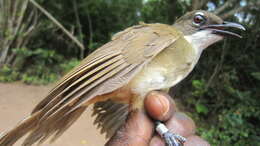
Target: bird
[117,76]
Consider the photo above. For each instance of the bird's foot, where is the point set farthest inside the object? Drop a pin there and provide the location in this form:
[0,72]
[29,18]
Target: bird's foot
[171,139]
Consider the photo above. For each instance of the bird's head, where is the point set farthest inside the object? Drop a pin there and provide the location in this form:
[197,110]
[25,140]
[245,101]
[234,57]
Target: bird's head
[202,28]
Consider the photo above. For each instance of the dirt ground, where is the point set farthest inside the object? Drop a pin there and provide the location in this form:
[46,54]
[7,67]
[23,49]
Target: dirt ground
[17,100]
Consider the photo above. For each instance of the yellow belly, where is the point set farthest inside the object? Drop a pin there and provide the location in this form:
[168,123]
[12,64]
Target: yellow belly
[167,69]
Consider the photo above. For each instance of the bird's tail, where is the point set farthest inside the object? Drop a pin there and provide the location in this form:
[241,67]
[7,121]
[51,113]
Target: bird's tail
[10,137]
[40,130]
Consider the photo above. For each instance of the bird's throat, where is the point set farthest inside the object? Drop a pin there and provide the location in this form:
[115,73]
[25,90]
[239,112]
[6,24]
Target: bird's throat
[202,39]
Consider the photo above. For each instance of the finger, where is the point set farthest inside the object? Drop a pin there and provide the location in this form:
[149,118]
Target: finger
[157,141]
[159,105]
[138,130]
[180,124]
[196,141]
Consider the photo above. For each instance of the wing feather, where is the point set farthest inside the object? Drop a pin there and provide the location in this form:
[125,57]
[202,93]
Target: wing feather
[145,43]
[84,88]
[84,66]
[110,67]
[86,78]
[67,80]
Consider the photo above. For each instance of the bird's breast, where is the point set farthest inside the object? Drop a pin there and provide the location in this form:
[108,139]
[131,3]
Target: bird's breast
[167,69]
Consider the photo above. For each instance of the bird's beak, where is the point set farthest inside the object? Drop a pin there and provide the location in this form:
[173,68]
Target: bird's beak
[221,29]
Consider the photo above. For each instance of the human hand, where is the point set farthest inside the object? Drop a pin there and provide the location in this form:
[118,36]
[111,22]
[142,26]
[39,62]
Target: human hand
[139,128]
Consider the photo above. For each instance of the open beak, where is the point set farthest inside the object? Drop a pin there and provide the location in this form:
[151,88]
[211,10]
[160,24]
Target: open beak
[222,28]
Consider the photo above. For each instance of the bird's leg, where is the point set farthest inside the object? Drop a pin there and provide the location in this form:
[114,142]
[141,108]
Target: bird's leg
[171,139]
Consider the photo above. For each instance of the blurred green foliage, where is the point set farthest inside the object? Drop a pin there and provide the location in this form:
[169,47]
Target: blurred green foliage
[39,66]
[222,93]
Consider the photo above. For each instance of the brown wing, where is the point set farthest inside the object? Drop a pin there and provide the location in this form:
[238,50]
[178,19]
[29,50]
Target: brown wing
[109,116]
[105,70]
[111,66]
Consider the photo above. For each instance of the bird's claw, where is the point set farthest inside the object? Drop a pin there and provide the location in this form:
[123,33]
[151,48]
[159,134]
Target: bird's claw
[171,139]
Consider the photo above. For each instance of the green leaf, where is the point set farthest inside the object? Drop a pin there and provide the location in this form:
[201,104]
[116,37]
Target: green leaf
[198,84]
[256,75]
[200,108]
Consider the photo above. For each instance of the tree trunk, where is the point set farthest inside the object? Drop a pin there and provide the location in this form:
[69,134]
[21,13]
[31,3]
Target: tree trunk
[17,23]
[3,56]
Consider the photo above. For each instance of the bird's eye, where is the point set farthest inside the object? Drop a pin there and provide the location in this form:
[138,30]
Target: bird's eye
[199,19]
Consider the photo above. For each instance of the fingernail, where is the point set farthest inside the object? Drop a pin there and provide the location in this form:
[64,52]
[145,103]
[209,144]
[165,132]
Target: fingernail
[158,105]
[164,104]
